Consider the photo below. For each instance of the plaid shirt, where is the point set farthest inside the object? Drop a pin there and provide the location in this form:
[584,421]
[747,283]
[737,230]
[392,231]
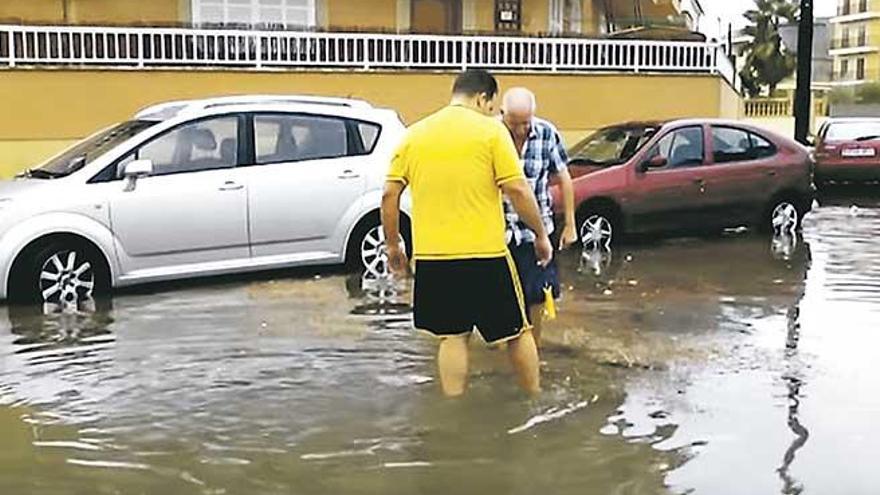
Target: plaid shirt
[544,154]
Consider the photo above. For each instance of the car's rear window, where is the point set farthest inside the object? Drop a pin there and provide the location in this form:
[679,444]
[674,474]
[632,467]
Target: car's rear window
[850,131]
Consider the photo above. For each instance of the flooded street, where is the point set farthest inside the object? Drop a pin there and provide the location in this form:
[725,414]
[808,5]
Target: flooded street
[724,365]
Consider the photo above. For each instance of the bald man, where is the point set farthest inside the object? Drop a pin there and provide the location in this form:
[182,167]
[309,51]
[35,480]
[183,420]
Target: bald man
[542,154]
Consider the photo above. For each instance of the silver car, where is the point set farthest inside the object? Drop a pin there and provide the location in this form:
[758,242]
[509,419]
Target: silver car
[197,188]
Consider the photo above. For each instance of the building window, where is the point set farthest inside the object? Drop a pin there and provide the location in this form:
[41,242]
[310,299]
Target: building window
[844,69]
[863,36]
[507,15]
[860,69]
[844,7]
[575,16]
[258,13]
[557,16]
[863,6]
[565,16]
[844,40]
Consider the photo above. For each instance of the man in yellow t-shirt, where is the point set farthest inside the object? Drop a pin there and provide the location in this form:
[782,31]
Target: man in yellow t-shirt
[457,163]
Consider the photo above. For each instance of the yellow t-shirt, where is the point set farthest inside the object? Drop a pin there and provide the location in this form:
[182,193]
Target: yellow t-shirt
[454,162]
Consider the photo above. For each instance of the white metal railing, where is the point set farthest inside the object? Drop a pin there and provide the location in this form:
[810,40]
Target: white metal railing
[142,47]
[768,107]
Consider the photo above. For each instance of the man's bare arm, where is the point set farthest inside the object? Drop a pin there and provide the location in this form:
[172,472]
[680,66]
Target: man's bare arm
[391,226]
[569,231]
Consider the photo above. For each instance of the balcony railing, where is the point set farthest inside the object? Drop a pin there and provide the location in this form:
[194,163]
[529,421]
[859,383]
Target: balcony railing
[768,108]
[673,21]
[776,108]
[859,41]
[119,47]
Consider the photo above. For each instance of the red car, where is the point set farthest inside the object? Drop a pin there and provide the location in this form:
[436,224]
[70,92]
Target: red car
[642,177]
[848,150]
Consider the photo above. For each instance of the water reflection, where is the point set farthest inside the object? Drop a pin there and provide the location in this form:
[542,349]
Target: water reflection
[379,295]
[53,327]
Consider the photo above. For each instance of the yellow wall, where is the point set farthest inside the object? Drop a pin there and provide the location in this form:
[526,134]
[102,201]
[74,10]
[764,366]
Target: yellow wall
[591,16]
[33,11]
[96,11]
[731,103]
[127,12]
[55,106]
[361,14]
[485,15]
[535,16]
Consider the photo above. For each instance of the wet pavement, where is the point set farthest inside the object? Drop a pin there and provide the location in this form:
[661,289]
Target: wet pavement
[723,365]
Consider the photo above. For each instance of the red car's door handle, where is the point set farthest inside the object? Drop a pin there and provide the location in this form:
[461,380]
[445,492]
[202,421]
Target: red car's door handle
[700,182]
[771,173]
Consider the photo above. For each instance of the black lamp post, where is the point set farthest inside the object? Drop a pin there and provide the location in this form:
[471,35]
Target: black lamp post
[803,93]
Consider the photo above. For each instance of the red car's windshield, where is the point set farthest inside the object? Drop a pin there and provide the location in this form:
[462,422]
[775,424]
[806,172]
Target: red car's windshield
[612,145]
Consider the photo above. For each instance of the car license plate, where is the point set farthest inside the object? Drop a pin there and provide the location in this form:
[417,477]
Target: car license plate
[859,152]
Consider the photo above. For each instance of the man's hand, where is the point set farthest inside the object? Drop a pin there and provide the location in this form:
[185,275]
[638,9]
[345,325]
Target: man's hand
[397,259]
[543,250]
[394,249]
[568,237]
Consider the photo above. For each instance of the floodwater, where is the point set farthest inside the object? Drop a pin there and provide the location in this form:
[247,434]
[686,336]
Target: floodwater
[734,364]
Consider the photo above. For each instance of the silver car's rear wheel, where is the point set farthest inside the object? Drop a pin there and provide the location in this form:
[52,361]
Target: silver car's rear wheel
[374,257]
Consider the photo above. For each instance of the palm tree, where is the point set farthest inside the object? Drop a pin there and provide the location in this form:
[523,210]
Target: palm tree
[767,62]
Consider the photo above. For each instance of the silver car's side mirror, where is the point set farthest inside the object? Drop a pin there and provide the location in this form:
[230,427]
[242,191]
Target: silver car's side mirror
[135,170]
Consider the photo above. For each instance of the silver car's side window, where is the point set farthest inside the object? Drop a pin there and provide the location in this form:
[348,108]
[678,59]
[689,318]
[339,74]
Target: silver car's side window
[280,138]
[204,145]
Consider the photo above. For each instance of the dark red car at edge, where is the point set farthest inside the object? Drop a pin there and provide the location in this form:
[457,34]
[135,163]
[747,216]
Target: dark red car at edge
[656,177]
[848,150]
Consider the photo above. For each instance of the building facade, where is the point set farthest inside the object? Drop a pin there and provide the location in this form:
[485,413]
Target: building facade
[855,45]
[516,17]
[70,67]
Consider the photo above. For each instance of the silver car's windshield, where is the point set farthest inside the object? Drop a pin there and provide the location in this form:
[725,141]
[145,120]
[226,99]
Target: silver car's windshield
[84,152]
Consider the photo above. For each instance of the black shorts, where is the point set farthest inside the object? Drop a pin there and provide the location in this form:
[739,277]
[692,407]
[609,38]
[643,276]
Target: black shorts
[454,296]
[534,278]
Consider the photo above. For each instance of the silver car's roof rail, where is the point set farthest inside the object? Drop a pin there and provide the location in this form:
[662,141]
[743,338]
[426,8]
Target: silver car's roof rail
[168,110]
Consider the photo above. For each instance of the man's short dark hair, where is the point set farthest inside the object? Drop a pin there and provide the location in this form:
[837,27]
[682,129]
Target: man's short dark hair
[474,82]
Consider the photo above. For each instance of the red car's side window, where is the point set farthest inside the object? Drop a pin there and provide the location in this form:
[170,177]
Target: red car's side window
[731,145]
[681,147]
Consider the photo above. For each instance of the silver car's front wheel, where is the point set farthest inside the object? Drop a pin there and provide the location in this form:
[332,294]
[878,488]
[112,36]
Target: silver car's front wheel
[66,278]
[64,274]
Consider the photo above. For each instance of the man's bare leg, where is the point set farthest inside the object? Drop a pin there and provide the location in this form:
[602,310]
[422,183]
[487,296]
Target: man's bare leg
[536,317]
[524,356]
[452,362]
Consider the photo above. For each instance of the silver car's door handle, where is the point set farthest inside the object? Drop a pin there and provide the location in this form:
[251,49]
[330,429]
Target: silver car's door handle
[231,186]
[349,174]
